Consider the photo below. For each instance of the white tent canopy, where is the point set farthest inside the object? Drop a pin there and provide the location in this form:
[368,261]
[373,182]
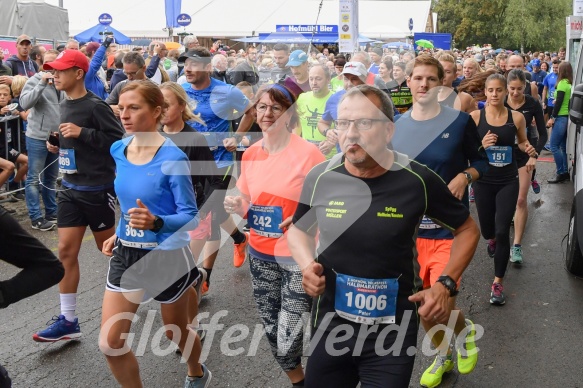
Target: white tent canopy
[34,18]
[379,19]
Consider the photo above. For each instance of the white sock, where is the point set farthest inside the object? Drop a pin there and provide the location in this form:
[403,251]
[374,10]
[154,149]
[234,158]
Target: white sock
[68,306]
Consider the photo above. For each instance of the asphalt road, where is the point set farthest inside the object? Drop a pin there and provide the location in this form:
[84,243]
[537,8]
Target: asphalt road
[532,341]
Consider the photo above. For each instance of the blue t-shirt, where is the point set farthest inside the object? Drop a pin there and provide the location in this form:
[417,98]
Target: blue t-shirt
[165,187]
[539,78]
[447,144]
[217,105]
[331,110]
[550,82]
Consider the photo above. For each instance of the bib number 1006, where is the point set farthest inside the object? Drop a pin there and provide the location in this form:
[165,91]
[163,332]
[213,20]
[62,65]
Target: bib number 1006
[134,232]
[366,302]
[262,221]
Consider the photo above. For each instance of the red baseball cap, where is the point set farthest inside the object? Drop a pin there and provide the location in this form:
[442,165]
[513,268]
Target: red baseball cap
[68,59]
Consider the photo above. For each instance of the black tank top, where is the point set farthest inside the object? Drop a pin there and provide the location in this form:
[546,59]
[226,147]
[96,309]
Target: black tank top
[527,89]
[450,100]
[501,156]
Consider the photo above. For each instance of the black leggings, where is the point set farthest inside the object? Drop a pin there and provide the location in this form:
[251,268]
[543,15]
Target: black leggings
[40,268]
[496,205]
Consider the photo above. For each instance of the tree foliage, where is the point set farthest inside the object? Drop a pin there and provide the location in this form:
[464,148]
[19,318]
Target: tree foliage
[534,24]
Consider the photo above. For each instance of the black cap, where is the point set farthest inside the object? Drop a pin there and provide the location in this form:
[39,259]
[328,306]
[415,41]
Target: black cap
[192,54]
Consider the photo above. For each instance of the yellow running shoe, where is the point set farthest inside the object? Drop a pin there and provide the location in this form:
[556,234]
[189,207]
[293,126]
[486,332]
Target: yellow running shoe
[432,376]
[467,353]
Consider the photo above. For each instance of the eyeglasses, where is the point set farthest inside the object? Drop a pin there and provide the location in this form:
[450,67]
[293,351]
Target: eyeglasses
[131,73]
[361,124]
[275,109]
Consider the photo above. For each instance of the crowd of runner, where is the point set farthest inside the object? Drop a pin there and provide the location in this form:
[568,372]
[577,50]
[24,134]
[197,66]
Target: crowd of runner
[354,174]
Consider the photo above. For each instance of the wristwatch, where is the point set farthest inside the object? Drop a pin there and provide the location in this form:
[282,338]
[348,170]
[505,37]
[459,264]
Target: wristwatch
[468,176]
[158,224]
[448,283]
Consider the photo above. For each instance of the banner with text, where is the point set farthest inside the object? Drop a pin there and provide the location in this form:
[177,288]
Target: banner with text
[348,22]
[303,28]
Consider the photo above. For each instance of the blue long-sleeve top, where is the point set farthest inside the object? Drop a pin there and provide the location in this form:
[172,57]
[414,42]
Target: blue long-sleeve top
[165,187]
[448,144]
[92,80]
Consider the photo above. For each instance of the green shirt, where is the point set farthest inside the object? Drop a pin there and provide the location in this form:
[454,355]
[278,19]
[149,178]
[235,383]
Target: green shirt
[336,84]
[310,110]
[564,86]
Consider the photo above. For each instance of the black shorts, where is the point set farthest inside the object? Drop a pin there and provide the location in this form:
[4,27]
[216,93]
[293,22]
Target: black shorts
[367,367]
[162,275]
[11,156]
[83,208]
[219,215]
[522,157]
[549,110]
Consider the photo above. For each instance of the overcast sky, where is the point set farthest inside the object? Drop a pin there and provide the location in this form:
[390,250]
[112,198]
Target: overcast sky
[128,15]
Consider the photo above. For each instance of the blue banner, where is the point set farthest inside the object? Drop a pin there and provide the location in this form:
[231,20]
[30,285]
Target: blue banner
[320,28]
[172,11]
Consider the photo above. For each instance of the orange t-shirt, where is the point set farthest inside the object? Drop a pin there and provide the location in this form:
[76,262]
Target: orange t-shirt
[274,183]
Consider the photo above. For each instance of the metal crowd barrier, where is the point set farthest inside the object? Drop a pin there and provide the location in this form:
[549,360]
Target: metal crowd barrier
[15,142]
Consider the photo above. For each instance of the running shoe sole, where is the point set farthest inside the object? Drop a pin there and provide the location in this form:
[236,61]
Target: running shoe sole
[496,302]
[201,281]
[436,373]
[66,337]
[45,229]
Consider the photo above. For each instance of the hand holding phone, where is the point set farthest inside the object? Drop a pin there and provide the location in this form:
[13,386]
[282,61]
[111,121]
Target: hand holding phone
[54,139]
[108,40]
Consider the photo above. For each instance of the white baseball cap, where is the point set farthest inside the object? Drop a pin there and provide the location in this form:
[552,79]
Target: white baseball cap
[355,68]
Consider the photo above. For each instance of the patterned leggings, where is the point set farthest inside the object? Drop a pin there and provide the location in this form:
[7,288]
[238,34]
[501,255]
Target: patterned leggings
[281,301]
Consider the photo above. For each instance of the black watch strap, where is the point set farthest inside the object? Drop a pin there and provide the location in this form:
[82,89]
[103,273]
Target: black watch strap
[158,224]
[448,283]
[468,176]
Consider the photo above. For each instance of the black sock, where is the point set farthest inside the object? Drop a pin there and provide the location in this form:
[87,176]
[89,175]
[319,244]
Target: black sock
[208,274]
[238,237]
[299,383]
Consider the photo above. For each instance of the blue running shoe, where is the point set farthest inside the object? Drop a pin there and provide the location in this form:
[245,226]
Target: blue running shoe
[59,330]
[535,186]
[199,382]
[491,248]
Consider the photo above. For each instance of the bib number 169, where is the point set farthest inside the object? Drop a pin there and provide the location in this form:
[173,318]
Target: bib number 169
[366,302]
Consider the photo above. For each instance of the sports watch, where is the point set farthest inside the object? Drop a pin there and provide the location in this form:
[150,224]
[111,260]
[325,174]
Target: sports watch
[448,283]
[468,176]
[158,224]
